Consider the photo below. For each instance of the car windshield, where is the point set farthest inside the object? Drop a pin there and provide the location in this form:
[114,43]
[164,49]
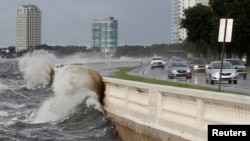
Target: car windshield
[177,59]
[236,62]
[225,66]
[179,65]
[157,59]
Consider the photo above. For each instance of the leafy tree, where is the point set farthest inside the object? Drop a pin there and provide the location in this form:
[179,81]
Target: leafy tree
[202,24]
[198,25]
[239,11]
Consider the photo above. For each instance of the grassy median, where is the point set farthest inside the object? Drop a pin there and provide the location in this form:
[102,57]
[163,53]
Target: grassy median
[122,74]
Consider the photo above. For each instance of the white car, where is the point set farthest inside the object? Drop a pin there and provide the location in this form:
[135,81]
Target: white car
[229,73]
[157,62]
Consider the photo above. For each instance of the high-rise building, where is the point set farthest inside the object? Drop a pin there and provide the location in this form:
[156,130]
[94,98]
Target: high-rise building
[179,34]
[28,27]
[105,34]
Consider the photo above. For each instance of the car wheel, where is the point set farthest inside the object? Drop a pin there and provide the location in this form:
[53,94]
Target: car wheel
[163,67]
[235,81]
[152,68]
[229,82]
[211,82]
[245,77]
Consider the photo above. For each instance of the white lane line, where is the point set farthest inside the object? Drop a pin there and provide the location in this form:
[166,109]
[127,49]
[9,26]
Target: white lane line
[144,71]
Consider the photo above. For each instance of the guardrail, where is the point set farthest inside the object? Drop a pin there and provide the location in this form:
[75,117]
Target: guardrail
[170,113]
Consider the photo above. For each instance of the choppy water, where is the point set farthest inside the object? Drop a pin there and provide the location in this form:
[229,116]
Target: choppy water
[31,111]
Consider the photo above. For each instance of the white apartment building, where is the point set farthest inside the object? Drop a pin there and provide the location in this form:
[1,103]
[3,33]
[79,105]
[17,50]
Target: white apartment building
[105,34]
[177,13]
[28,27]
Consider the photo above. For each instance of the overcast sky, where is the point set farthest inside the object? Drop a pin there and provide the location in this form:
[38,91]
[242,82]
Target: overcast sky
[68,22]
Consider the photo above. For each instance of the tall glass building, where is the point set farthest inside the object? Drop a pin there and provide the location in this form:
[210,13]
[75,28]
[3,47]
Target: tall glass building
[28,27]
[105,34]
[179,34]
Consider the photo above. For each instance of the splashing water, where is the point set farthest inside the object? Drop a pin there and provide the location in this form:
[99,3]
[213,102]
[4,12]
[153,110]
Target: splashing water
[71,84]
[37,68]
[64,110]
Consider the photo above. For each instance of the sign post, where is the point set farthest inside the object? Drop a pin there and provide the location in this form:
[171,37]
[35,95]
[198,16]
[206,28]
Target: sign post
[225,35]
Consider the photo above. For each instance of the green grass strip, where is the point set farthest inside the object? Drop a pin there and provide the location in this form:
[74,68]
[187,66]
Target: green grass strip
[122,74]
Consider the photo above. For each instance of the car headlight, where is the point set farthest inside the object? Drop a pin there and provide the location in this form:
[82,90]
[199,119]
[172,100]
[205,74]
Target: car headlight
[216,74]
[206,66]
[174,71]
[188,71]
[234,73]
[195,66]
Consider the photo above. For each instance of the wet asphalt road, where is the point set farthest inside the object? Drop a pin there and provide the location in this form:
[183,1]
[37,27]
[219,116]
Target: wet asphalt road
[243,86]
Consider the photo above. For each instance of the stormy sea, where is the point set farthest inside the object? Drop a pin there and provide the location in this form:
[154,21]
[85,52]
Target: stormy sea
[36,107]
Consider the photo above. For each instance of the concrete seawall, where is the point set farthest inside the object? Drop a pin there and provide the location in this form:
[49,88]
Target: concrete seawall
[144,111]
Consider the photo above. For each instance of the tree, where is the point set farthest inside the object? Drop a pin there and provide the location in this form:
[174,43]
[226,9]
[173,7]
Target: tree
[202,24]
[237,10]
[198,24]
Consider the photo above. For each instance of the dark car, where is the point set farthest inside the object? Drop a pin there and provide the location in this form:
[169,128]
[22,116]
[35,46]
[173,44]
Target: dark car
[239,66]
[198,65]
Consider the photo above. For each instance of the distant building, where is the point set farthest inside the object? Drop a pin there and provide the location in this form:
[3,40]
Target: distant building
[177,13]
[28,27]
[105,34]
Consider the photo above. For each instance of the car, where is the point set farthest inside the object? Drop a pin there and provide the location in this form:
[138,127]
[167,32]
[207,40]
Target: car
[175,58]
[179,69]
[157,62]
[239,66]
[198,65]
[229,73]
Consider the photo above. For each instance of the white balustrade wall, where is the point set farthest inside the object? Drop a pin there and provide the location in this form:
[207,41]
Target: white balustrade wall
[178,111]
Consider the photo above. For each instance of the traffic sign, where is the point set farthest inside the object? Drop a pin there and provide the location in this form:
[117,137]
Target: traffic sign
[225,30]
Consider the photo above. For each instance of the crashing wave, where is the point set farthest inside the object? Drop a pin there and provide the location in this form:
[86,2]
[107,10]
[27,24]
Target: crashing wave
[71,85]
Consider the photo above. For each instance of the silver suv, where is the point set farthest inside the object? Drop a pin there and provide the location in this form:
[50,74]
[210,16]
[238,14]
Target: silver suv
[157,62]
[239,66]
